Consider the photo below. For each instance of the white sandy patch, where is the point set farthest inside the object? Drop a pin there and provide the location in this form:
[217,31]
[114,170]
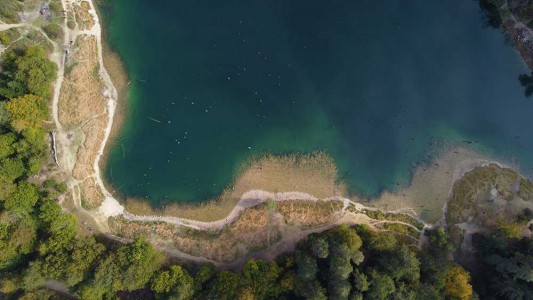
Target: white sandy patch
[111,208]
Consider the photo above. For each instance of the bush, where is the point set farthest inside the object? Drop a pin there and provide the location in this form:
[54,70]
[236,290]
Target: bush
[54,31]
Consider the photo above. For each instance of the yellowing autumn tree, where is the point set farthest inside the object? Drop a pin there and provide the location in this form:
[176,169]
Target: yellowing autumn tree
[27,111]
[456,283]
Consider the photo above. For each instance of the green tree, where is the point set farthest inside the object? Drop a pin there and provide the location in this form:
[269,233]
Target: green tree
[401,264]
[32,148]
[4,115]
[10,282]
[6,142]
[175,284]
[22,200]
[11,168]
[344,235]
[27,111]
[49,211]
[226,285]
[339,288]
[319,246]
[339,262]
[381,286]
[17,238]
[307,267]
[29,73]
[360,281]
[262,278]
[128,268]
[313,291]
[33,276]
[62,231]
[204,274]
[74,264]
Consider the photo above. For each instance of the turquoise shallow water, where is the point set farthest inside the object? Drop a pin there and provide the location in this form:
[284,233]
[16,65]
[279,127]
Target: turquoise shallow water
[373,83]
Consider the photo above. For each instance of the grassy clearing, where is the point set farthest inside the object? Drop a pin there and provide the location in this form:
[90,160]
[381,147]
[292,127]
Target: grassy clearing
[379,215]
[493,198]
[475,186]
[401,228]
[19,39]
[9,11]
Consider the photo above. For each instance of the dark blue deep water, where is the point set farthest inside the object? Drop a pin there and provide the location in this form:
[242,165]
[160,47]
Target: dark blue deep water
[373,83]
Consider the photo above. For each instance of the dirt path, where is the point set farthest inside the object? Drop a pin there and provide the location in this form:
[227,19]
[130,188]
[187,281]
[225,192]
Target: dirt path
[249,199]
[528,33]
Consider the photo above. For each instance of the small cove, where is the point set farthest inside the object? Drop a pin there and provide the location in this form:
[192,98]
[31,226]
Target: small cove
[375,85]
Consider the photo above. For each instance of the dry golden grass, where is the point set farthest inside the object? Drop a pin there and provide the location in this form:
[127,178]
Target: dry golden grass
[315,174]
[309,214]
[81,93]
[82,105]
[91,195]
[255,229]
[83,17]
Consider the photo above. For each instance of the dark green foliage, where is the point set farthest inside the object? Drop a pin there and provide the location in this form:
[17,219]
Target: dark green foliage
[381,286]
[28,73]
[440,243]
[54,31]
[226,285]
[307,267]
[401,265]
[128,268]
[22,199]
[319,247]
[17,238]
[505,267]
[175,283]
[490,14]
[261,278]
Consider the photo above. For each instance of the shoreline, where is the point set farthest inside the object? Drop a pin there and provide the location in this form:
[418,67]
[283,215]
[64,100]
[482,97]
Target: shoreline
[306,178]
[119,76]
[114,65]
[117,106]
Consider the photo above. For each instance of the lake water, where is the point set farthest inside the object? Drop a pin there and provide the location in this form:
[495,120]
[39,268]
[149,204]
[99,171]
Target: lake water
[373,83]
